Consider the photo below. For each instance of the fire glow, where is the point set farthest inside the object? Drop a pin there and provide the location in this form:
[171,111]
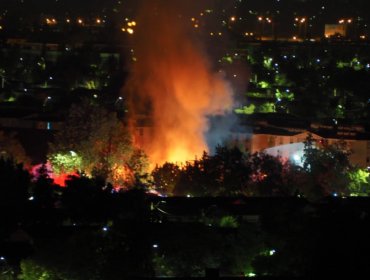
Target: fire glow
[58,179]
[173,84]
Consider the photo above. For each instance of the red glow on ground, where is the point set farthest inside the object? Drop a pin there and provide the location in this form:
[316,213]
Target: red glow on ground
[59,179]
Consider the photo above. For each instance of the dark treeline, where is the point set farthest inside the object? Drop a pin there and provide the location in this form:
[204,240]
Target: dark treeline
[89,230]
[323,170]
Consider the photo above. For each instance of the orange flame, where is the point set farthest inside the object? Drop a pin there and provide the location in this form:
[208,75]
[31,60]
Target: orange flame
[172,84]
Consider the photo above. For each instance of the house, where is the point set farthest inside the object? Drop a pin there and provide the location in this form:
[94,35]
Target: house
[284,135]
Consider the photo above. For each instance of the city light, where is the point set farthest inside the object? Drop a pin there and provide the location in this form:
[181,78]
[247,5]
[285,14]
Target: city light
[342,21]
[129,28]
[301,20]
[51,21]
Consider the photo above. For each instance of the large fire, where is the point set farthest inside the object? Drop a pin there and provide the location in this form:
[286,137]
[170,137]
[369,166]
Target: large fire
[173,84]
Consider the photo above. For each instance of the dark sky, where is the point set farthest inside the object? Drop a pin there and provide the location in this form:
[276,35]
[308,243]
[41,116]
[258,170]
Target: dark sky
[334,6]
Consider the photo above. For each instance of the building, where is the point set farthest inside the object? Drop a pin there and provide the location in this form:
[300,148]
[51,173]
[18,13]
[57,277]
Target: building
[285,135]
[334,30]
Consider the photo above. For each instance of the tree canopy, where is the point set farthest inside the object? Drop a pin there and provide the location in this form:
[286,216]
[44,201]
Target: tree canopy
[325,171]
[93,140]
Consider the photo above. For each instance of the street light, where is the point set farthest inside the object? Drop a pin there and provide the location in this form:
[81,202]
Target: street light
[261,21]
[341,21]
[345,22]
[301,21]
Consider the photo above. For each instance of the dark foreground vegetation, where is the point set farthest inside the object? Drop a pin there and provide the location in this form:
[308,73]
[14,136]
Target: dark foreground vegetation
[89,230]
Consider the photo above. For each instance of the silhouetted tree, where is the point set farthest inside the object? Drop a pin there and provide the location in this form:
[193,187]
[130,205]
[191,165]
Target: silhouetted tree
[267,177]
[225,173]
[85,201]
[326,169]
[14,186]
[166,177]
[43,190]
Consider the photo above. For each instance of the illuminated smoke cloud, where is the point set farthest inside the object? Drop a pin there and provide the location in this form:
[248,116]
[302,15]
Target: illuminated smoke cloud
[172,83]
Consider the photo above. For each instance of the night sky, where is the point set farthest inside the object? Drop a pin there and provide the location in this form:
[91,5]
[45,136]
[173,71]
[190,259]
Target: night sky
[283,12]
[337,8]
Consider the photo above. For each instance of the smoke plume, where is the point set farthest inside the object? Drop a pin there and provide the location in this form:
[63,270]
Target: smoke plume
[172,83]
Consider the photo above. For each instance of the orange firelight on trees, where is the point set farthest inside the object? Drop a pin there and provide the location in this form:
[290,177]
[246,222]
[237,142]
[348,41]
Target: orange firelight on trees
[172,84]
